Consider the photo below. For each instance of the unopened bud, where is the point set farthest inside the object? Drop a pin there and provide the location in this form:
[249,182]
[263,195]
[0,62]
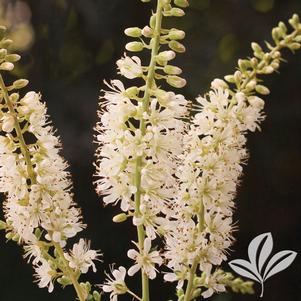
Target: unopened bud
[9,235]
[268,70]
[176,34]
[172,70]
[5,43]
[64,281]
[119,218]
[134,32]
[256,102]
[237,76]
[177,12]
[176,46]
[7,66]
[230,78]
[152,21]
[20,83]
[256,47]
[132,92]
[294,46]
[96,296]
[181,3]
[2,32]
[219,83]
[3,53]
[166,55]
[262,90]
[3,225]
[294,21]
[134,46]
[147,31]
[12,58]
[8,123]
[176,81]
[251,85]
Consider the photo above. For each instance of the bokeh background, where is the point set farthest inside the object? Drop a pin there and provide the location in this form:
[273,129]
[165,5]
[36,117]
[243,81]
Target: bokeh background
[70,46]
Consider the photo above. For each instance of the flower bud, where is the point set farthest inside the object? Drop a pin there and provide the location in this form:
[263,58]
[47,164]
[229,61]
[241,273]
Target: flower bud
[14,97]
[172,70]
[175,34]
[166,55]
[7,66]
[256,47]
[8,123]
[147,31]
[3,53]
[294,46]
[230,79]
[3,225]
[176,46]
[294,21]
[152,21]
[256,102]
[9,235]
[176,81]
[20,83]
[119,218]
[64,281]
[96,296]
[262,90]
[237,76]
[145,1]
[177,12]
[219,83]
[134,32]
[181,3]
[251,85]
[132,92]
[134,46]
[268,70]
[5,43]
[12,58]
[2,32]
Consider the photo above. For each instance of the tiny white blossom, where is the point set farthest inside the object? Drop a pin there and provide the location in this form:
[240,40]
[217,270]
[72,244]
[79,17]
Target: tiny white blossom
[81,257]
[145,260]
[45,275]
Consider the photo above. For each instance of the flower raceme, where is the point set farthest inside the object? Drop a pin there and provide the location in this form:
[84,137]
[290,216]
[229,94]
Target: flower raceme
[39,209]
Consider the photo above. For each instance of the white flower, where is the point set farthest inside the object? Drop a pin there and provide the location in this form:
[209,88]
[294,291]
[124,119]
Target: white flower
[145,260]
[81,257]
[45,275]
[8,123]
[116,284]
[130,67]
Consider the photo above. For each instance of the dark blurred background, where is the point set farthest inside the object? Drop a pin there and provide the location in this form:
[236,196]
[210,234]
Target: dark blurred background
[70,47]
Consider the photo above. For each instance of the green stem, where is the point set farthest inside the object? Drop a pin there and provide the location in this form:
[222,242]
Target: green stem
[31,175]
[70,273]
[145,103]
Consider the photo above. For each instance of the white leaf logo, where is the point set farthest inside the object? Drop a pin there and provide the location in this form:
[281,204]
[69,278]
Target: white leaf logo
[259,267]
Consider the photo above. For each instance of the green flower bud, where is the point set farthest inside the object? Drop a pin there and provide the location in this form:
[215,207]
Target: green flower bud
[14,97]
[244,64]
[64,281]
[172,70]
[176,81]
[256,47]
[145,1]
[251,85]
[3,53]
[282,27]
[6,66]
[147,32]
[132,92]
[166,56]
[12,58]
[152,21]
[262,90]
[294,46]
[294,21]
[230,79]
[175,34]
[181,3]
[3,225]
[133,46]
[2,32]
[134,32]
[5,43]
[38,233]
[9,235]
[176,46]
[177,12]
[16,237]
[20,83]
[268,70]
[237,76]
[119,218]
[96,296]
[298,39]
